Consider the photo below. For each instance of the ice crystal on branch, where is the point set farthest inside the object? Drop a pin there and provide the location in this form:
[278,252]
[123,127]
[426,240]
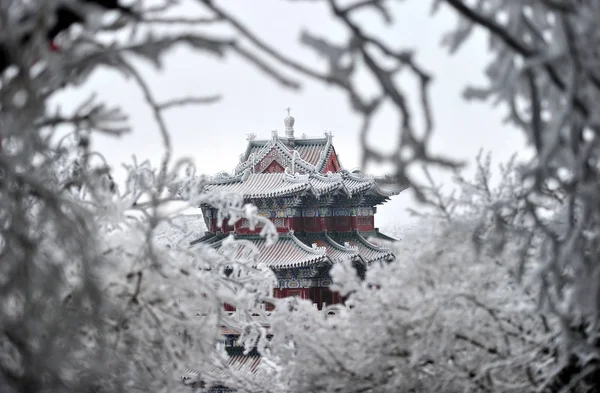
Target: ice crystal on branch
[96,297]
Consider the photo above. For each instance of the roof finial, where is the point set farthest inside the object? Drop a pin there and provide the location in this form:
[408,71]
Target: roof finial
[289,124]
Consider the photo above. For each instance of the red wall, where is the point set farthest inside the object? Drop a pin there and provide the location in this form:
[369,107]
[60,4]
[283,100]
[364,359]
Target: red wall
[316,295]
[308,224]
[297,224]
[333,164]
[214,228]
[274,167]
[303,293]
[287,224]
[311,224]
[363,223]
[343,224]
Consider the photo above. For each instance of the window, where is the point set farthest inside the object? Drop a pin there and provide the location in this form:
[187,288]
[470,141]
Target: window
[278,222]
[245,224]
[363,220]
[342,220]
[295,293]
[310,222]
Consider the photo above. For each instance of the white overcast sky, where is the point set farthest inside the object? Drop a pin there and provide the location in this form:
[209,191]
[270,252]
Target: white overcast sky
[214,136]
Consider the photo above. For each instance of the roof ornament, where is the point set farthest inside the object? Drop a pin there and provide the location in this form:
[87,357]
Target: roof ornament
[294,157]
[274,135]
[289,124]
[250,137]
[222,175]
[246,174]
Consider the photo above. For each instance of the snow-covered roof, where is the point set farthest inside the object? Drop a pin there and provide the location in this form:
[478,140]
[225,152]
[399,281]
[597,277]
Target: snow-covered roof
[287,252]
[270,185]
[180,229]
[238,363]
[368,251]
[286,166]
[291,251]
[312,154]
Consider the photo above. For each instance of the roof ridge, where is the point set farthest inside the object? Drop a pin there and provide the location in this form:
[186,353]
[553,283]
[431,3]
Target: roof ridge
[247,163]
[356,177]
[317,250]
[386,238]
[386,193]
[369,244]
[296,178]
[307,140]
[329,177]
[326,152]
[221,178]
[298,159]
[339,246]
[273,143]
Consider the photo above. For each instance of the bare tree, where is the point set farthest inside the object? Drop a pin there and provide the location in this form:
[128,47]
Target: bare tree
[87,292]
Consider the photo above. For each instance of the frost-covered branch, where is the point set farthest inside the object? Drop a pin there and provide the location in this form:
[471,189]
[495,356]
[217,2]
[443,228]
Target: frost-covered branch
[544,70]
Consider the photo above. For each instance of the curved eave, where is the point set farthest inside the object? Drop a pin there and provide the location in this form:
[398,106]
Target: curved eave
[319,254]
[377,190]
[306,263]
[363,183]
[320,191]
[326,154]
[319,250]
[330,178]
[369,244]
[361,189]
[385,237]
[312,255]
[351,250]
[278,194]
[352,253]
[386,252]
[294,189]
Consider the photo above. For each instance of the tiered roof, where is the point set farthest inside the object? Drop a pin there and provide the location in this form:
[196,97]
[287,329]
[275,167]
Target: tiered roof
[292,251]
[271,185]
[237,362]
[243,364]
[304,166]
[283,167]
[308,154]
